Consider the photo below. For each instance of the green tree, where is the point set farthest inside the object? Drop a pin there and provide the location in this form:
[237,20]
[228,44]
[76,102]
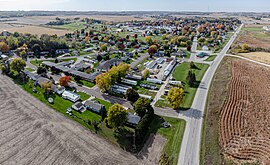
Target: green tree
[141,106]
[145,73]
[175,97]
[117,116]
[41,70]
[132,95]
[103,81]
[18,64]
[191,78]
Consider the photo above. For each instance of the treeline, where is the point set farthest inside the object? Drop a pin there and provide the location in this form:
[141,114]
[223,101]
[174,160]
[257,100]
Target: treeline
[34,43]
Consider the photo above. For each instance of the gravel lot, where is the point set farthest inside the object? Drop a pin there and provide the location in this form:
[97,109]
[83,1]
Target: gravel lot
[32,133]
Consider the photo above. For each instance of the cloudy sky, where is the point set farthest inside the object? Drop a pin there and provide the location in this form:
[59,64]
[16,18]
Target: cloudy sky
[150,5]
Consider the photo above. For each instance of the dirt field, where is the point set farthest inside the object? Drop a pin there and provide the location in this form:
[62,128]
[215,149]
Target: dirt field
[38,30]
[254,36]
[32,133]
[244,118]
[257,56]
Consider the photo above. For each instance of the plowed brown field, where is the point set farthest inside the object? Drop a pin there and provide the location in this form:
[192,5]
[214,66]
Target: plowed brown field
[245,116]
[33,133]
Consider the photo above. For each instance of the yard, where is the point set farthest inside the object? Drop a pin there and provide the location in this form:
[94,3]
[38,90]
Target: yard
[180,74]
[211,58]
[174,135]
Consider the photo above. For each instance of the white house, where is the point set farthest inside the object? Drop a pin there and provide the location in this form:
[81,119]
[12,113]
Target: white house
[71,96]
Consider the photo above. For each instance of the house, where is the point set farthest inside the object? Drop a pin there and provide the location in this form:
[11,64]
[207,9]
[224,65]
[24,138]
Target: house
[202,55]
[155,81]
[82,66]
[133,120]
[169,69]
[41,80]
[149,86]
[205,48]
[88,50]
[58,89]
[146,96]
[78,106]
[129,82]
[61,51]
[71,96]
[106,65]
[93,106]
[134,77]
[151,64]
[32,76]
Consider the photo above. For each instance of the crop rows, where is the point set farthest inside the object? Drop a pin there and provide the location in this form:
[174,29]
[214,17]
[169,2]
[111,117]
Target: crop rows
[245,116]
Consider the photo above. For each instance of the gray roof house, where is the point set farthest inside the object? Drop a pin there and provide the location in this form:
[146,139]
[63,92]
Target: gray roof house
[106,65]
[41,80]
[93,106]
[32,76]
[133,120]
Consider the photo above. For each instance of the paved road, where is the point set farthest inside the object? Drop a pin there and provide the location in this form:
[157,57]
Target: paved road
[194,49]
[257,62]
[139,60]
[190,148]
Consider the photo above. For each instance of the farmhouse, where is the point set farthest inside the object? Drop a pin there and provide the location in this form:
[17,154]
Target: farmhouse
[71,96]
[93,106]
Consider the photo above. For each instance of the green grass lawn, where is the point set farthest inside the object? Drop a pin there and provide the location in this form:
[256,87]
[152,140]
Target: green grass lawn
[105,103]
[87,83]
[162,103]
[29,69]
[61,105]
[147,92]
[174,135]
[77,25]
[211,58]
[181,73]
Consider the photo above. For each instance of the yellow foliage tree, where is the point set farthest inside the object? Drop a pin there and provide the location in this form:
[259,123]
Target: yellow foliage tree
[175,97]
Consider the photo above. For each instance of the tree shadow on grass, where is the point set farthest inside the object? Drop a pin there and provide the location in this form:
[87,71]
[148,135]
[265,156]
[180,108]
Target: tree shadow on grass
[124,138]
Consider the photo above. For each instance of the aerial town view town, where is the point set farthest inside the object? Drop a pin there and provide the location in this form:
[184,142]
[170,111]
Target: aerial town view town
[134,83]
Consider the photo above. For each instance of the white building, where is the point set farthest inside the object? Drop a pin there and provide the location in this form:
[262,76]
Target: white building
[71,96]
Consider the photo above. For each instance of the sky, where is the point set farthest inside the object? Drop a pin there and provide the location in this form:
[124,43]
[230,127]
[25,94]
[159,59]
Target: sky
[138,5]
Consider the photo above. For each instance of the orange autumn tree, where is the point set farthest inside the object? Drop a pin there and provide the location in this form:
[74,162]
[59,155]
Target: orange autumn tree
[63,81]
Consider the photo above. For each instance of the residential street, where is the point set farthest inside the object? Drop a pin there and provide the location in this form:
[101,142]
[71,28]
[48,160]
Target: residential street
[190,148]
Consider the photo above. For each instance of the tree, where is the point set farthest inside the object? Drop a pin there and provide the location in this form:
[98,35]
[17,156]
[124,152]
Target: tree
[63,81]
[145,73]
[36,49]
[41,70]
[99,58]
[18,64]
[245,47]
[141,106]
[103,48]
[23,54]
[4,47]
[103,81]
[148,40]
[191,78]
[117,116]
[192,65]
[47,87]
[175,97]
[132,95]
[152,50]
